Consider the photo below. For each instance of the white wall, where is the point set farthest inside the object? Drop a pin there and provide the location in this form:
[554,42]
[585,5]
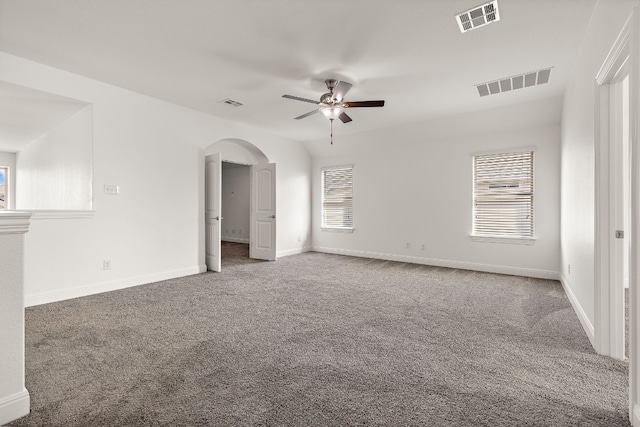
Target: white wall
[9,160]
[154,151]
[413,184]
[55,170]
[578,161]
[236,184]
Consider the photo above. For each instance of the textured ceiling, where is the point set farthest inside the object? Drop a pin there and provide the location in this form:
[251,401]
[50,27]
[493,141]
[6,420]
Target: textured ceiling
[196,53]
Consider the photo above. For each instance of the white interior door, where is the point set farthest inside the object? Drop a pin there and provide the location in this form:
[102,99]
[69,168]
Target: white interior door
[213,212]
[263,212]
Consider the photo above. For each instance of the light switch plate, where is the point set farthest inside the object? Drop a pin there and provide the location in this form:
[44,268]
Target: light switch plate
[111,189]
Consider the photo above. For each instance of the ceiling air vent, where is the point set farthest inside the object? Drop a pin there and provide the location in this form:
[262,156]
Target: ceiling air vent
[478,17]
[518,81]
[231,102]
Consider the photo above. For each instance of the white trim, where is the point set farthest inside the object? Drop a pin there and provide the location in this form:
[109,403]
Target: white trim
[97,288]
[234,240]
[60,214]
[636,416]
[294,251]
[577,308]
[498,239]
[488,268]
[14,407]
[506,150]
[337,230]
[13,222]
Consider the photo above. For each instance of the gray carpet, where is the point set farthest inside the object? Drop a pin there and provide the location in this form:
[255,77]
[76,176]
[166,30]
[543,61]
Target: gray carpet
[321,340]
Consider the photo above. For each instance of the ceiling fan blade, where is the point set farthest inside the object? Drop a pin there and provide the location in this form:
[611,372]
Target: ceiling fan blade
[297,98]
[341,90]
[306,115]
[345,118]
[363,104]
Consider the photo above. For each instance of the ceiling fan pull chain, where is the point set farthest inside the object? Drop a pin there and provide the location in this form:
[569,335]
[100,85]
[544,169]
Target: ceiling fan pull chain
[331,131]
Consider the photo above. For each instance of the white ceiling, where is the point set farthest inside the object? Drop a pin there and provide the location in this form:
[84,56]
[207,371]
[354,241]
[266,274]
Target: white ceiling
[196,53]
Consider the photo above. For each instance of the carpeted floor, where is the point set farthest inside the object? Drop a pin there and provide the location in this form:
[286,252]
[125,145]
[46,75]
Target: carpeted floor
[321,340]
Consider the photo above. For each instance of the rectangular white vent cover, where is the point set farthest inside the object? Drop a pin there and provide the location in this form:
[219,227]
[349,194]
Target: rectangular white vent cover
[231,102]
[478,17]
[519,81]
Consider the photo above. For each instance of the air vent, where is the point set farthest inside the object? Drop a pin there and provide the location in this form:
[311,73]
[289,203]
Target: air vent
[230,102]
[478,17]
[519,81]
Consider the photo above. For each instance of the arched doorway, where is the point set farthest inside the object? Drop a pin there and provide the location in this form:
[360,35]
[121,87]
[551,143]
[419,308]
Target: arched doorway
[262,228]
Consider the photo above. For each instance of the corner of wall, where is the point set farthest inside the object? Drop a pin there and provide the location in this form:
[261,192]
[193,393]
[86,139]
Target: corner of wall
[577,308]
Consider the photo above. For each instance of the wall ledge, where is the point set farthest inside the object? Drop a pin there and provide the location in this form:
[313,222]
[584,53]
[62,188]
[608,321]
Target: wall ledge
[14,222]
[38,214]
[14,407]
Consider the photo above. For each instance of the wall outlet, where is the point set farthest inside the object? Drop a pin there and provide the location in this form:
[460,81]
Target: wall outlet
[569,269]
[111,189]
[106,264]
[422,247]
[408,245]
[233,231]
[240,231]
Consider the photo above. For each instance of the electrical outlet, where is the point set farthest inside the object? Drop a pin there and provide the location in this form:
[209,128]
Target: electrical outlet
[240,231]
[569,269]
[422,247]
[408,245]
[233,231]
[106,264]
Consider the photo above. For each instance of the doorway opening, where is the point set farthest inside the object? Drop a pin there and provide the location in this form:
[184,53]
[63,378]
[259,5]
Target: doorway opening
[247,195]
[236,210]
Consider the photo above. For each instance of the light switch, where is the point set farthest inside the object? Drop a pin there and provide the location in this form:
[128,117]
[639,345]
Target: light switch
[111,189]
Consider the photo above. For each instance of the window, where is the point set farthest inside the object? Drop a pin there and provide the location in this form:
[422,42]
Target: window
[337,198]
[4,188]
[503,195]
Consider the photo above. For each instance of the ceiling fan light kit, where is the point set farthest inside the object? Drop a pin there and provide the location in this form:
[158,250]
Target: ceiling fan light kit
[331,104]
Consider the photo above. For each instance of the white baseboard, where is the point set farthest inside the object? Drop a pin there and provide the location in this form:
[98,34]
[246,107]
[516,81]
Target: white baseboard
[636,416]
[96,288]
[293,251]
[14,407]
[234,240]
[489,268]
[582,316]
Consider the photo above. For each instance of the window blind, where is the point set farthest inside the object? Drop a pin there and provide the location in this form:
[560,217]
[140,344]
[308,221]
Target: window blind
[503,194]
[337,197]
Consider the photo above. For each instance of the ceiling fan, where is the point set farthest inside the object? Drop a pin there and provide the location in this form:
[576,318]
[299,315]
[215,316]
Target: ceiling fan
[332,104]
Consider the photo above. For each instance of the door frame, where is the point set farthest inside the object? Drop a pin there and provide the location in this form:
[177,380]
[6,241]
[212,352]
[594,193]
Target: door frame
[234,151]
[622,58]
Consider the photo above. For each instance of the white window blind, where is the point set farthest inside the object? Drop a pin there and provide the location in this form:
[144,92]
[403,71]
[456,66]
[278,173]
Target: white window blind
[337,197]
[503,195]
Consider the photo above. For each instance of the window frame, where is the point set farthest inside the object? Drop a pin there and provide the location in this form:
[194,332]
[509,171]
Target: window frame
[7,188]
[323,225]
[523,239]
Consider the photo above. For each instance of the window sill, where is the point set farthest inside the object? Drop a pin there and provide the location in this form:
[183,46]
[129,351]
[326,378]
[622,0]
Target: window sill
[504,239]
[60,214]
[337,230]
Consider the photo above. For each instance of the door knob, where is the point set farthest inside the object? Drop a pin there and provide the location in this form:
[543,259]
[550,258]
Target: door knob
[218,218]
[272,216]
